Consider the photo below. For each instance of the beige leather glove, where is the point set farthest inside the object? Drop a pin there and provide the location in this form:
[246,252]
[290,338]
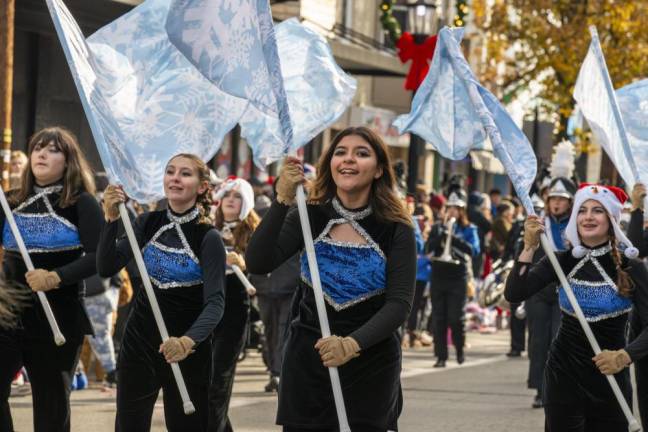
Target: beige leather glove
[42,280]
[290,176]
[533,228]
[638,195]
[611,362]
[113,196]
[177,349]
[336,351]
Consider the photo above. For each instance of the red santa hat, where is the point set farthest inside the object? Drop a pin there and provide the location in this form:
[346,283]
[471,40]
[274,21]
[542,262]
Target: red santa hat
[610,197]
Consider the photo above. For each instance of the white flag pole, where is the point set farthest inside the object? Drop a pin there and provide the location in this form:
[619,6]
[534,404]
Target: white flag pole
[321,306]
[244,280]
[59,339]
[187,405]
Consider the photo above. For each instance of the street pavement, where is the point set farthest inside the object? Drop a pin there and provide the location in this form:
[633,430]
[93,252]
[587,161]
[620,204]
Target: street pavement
[487,393]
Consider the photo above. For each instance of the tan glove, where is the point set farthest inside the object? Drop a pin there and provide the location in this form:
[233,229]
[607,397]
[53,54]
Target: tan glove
[336,351]
[533,228]
[290,176]
[233,258]
[638,196]
[42,280]
[177,349]
[611,362]
[113,196]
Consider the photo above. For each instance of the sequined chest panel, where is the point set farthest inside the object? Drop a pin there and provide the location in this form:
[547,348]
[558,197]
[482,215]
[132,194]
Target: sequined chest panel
[599,299]
[169,259]
[350,272]
[40,227]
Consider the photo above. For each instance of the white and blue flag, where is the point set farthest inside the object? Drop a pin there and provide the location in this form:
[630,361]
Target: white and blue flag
[617,118]
[147,100]
[456,114]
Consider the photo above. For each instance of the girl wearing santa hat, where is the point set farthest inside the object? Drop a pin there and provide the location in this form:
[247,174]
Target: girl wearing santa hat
[607,279]
[236,219]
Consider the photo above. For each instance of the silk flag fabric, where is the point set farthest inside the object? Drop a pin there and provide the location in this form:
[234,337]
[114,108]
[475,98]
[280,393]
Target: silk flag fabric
[146,101]
[602,107]
[456,114]
[617,118]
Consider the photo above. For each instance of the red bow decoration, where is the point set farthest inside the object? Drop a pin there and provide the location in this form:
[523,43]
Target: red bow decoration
[617,191]
[421,56]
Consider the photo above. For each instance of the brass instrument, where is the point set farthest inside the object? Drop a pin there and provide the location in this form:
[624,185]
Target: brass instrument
[446,256]
[492,290]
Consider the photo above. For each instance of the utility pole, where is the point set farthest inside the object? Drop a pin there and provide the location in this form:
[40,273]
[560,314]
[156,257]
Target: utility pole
[7,13]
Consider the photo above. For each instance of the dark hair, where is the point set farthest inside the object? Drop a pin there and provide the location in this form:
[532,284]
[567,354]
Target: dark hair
[495,191]
[386,204]
[77,176]
[203,200]
[624,282]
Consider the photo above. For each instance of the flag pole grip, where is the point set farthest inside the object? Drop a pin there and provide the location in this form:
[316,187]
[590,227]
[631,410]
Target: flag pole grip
[321,306]
[59,339]
[187,405]
[632,422]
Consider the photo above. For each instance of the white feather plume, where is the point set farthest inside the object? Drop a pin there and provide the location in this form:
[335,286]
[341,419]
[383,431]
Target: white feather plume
[562,162]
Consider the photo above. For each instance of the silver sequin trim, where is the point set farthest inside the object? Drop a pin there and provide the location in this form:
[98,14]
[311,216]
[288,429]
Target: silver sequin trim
[39,250]
[174,284]
[349,214]
[591,257]
[337,306]
[356,226]
[193,214]
[600,317]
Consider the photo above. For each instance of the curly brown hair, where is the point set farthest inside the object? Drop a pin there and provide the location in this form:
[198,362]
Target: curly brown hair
[77,176]
[203,200]
[624,282]
[386,204]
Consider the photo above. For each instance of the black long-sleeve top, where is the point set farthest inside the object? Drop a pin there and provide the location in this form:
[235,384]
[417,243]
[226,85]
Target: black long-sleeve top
[60,239]
[198,303]
[525,280]
[371,320]
[464,243]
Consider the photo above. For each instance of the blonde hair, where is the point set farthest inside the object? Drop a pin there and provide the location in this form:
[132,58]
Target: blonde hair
[243,231]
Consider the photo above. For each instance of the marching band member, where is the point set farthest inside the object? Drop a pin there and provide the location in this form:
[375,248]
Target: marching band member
[450,279]
[59,219]
[236,219]
[577,397]
[185,260]
[366,252]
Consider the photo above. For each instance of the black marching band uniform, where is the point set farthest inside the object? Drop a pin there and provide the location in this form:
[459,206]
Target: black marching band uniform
[450,280]
[639,237]
[63,240]
[185,259]
[576,394]
[227,342]
[368,289]
[542,309]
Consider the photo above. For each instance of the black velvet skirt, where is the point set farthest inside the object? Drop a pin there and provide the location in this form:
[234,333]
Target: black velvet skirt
[370,383]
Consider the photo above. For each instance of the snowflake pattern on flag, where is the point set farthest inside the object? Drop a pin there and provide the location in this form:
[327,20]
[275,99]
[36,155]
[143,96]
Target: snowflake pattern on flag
[146,101]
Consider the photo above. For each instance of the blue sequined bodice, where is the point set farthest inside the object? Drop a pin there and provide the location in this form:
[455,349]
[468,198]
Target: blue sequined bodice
[599,299]
[350,272]
[42,231]
[169,259]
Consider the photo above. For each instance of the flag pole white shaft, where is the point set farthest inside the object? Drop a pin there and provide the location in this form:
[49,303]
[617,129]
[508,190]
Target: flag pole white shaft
[59,339]
[616,111]
[244,280]
[187,405]
[632,422]
[321,307]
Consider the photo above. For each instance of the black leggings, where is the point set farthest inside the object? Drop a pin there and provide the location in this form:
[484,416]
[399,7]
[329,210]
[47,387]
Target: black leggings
[418,306]
[50,369]
[228,340]
[142,372]
[354,428]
